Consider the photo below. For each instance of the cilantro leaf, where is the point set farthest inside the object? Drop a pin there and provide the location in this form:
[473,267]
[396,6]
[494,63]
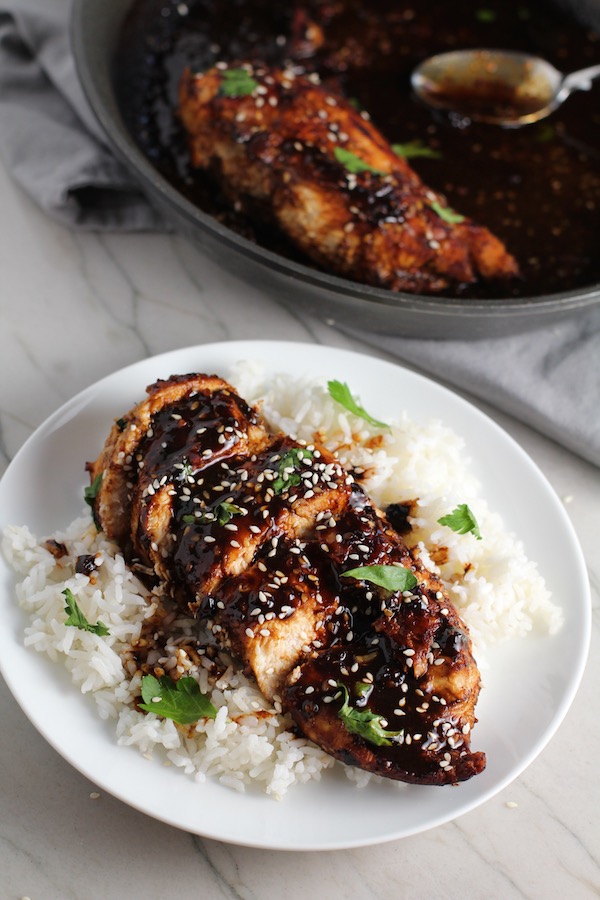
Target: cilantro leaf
[340,392]
[392,578]
[180,700]
[461,520]
[290,461]
[223,513]
[353,163]
[91,491]
[365,723]
[237,83]
[446,213]
[415,148]
[485,15]
[77,618]
[544,133]
[226,511]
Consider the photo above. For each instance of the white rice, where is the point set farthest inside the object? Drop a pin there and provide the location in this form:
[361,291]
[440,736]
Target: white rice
[502,597]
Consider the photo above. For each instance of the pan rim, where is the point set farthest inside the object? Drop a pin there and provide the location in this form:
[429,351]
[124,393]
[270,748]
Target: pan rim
[97,82]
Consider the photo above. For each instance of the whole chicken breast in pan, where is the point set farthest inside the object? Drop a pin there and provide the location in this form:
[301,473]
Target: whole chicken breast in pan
[292,153]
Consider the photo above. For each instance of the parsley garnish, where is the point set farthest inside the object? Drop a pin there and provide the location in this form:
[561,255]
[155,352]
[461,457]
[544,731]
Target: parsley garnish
[446,213]
[237,83]
[180,700]
[365,723]
[544,133]
[462,521]
[226,511]
[77,618]
[392,578]
[223,513]
[289,462]
[485,15]
[91,491]
[353,163]
[121,424]
[340,392]
[415,148]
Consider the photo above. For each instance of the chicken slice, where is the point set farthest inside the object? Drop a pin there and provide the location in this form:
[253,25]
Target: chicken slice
[303,158]
[116,467]
[275,613]
[396,695]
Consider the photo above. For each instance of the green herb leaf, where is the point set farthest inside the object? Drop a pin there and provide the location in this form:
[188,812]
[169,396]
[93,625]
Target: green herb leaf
[121,424]
[340,392]
[462,521]
[185,469]
[223,513]
[446,213]
[77,618]
[415,148]
[353,163]
[91,491]
[290,460]
[486,15]
[237,83]
[544,133]
[392,578]
[365,723]
[180,700]
[226,511]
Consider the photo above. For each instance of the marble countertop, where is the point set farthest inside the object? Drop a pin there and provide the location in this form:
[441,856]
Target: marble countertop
[78,306]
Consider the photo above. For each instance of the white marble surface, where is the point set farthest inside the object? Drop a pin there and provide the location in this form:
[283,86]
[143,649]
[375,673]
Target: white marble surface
[76,307]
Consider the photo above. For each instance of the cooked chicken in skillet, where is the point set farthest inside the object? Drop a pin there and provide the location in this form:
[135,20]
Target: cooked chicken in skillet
[300,156]
[254,533]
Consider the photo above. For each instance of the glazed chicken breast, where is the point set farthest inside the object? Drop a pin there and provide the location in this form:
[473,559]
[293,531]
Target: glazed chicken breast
[255,533]
[292,153]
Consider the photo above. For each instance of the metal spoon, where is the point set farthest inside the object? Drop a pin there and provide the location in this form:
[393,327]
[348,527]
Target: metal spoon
[501,87]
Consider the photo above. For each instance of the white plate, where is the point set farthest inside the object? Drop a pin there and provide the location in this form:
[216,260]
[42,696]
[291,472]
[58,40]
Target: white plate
[529,686]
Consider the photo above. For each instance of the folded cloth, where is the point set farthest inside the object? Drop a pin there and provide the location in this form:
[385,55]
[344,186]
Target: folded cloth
[49,140]
[549,378]
[51,144]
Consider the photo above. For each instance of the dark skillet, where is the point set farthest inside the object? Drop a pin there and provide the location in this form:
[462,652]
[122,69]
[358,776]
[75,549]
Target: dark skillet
[129,66]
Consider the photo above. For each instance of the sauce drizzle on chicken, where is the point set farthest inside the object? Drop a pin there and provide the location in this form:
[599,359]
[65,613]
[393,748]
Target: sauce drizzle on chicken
[252,532]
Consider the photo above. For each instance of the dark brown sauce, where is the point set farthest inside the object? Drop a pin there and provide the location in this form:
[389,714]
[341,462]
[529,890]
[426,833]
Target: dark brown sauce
[537,188]
[483,99]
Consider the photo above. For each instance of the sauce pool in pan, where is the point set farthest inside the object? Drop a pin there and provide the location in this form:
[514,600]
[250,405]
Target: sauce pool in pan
[536,188]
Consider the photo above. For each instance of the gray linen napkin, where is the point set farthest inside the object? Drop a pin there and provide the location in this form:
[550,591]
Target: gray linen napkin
[49,139]
[51,144]
[549,378]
